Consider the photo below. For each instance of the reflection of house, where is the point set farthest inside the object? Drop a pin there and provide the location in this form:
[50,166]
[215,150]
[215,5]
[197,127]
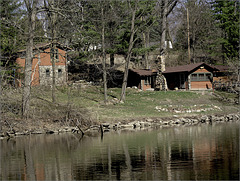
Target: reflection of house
[42,66]
[197,76]
[141,78]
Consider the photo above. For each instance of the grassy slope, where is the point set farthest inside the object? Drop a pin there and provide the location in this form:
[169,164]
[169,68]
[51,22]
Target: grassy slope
[142,104]
[138,104]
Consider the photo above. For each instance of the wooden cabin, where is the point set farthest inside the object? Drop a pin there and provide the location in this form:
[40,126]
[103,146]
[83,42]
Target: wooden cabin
[198,76]
[143,79]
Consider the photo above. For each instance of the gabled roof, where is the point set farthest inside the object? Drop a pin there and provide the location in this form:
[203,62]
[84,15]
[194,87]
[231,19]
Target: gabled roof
[144,72]
[187,68]
[43,46]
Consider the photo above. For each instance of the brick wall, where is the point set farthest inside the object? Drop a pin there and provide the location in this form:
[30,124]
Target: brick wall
[41,62]
[201,85]
[144,86]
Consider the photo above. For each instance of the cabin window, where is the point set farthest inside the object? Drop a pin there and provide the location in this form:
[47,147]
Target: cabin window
[47,73]
[147,81]
[194,77]
[201,76]
[59,72]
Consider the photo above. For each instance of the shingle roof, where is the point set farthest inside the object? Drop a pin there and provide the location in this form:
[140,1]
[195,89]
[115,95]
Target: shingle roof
[222,68]
[186,68]
[143,72]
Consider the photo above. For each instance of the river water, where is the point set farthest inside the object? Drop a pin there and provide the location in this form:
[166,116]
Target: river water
[202,152]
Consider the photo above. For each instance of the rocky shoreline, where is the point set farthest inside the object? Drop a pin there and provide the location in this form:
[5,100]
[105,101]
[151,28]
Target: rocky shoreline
[128,124]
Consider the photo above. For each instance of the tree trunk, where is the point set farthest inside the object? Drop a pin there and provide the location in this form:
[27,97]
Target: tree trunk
[145,54]
[53,49]
[188,33]
[104,58]
[160,79]
[53,75]
[131,42]
[238,82]
[111,59]
[145,45]
[29,57]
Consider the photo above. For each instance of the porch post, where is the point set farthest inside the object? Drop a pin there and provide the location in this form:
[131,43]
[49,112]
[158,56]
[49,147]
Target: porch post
[142,84]
[189,82]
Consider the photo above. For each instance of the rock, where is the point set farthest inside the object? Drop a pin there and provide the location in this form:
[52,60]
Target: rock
[10,134]
[165,122]
[204,119]
[221,118]
[146,124]
[136,125]
[94,127]
[49,132]
[106,125]
[177,121]
[38,132]
[127,126]
[68,129]
[149,120]
[183,120]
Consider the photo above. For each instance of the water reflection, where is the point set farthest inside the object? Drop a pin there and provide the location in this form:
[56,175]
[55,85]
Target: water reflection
[181,153]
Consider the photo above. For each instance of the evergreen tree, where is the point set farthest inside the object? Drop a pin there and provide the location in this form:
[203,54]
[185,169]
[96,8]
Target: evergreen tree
[227,17]
[10,38]
[10,14]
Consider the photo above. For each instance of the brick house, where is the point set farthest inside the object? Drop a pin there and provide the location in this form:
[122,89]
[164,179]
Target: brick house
[42,66]
[143,79]
[198,76]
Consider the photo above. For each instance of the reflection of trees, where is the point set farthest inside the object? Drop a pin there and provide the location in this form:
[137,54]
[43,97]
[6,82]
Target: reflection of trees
[128,161]
[168,154]
[109,163]
[28,162]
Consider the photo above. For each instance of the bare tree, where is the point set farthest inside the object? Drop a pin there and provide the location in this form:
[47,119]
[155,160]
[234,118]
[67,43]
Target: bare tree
[52,5]
[129,52]
[31,21]
[104,55]
[160,79]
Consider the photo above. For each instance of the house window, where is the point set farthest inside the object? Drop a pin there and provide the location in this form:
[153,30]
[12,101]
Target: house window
[147,80]
[47,73]
[59,72]
[194,77]
[201,76]
[54,53]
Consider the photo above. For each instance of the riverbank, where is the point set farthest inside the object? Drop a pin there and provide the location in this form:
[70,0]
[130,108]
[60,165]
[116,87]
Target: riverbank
[131,124]
[83,108]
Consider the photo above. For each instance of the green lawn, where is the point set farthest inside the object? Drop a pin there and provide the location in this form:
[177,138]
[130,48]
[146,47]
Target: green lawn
[142,104]
[138,104]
